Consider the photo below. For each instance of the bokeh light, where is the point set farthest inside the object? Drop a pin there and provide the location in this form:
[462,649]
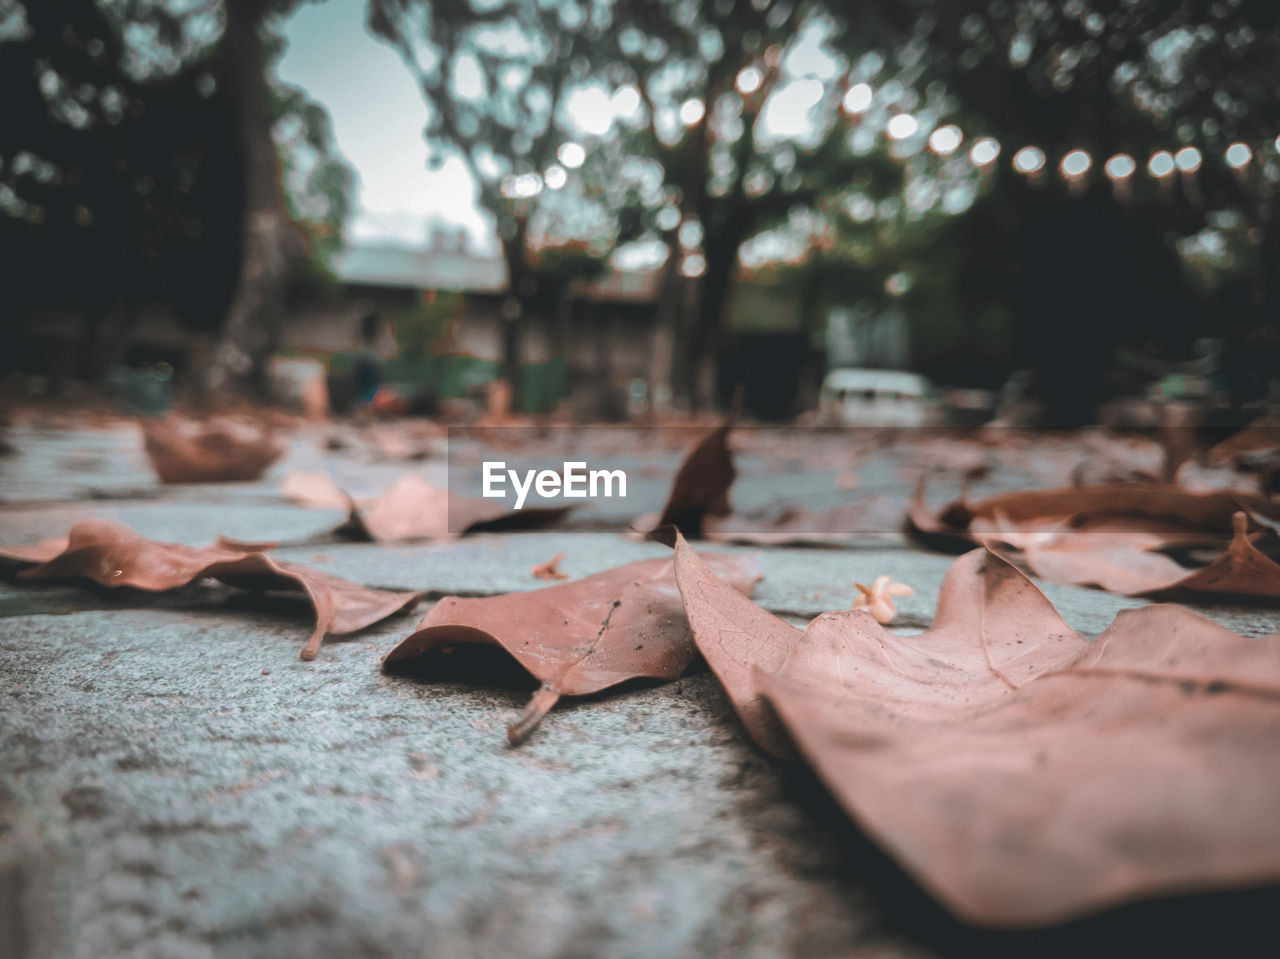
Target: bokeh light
[694,264]
[1076,163]
[902,126]
[858,98]
[1238,155]
[555,177]
[625,101]
[571,155]
[1188,159]
[1121,166]
[1028,160]
[749,80]
[692,111]
[1161,163]
[521,187]
[984,151]
[944,141]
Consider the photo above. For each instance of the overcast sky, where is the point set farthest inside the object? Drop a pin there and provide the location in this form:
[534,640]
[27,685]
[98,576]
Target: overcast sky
[378,114]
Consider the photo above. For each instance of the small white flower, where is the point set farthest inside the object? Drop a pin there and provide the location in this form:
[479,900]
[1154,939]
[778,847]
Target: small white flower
[877,599]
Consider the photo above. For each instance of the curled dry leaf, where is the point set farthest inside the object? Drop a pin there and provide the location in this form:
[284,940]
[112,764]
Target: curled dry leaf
[581,637]
[877,599]
[1155,508]
[1116,537]
[413,509]
[550,569]
[701,486]
[1021,774]
[111,554]
[699,507]
[217,451]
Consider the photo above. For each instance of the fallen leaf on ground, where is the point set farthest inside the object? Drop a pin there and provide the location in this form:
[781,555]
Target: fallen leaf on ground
[111,554]
[701,486]
[737,638]
[699,507]
[314,491]
[1154,507]
[1021,774]
[216,451]
[1116,537]
[877,599]
[413,509]
[550,569]
[581,637]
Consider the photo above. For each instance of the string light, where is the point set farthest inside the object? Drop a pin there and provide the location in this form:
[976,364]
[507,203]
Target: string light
[1187,159]
[858,98]
[944,141]
[1076,163]
[1238,155]
[984,151]
[1029,160]
[1121,167]
[1161,163]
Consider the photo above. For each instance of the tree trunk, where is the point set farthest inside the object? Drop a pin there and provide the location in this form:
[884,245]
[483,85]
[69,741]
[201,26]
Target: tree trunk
[668,310]
[272,247]
[700,339]
[521,285]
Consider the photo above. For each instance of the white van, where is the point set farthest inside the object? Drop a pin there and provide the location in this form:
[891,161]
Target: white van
[861,397]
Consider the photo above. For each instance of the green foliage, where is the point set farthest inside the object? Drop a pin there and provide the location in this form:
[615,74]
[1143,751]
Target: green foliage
[569,262]
[417,330]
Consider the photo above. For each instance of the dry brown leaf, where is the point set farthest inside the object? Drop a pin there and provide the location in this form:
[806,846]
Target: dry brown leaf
[737,638]
[581,637]
[701,486]
[550,569]
[1152,506]
[216,451]
[1112,537]
[413,509]
[111,554]
[314,491]
[1021,774]
[699,507]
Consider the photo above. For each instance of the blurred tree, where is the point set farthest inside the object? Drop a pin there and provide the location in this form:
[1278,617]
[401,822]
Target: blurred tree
[498,76]
[742,105]
[273,249]
[124,176]
[1091,256]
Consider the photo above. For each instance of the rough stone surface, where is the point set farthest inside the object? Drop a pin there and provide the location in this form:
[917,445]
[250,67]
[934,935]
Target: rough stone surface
[175,782]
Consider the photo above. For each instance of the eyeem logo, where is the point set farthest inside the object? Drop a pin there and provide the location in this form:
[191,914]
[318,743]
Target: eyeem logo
[574,482]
